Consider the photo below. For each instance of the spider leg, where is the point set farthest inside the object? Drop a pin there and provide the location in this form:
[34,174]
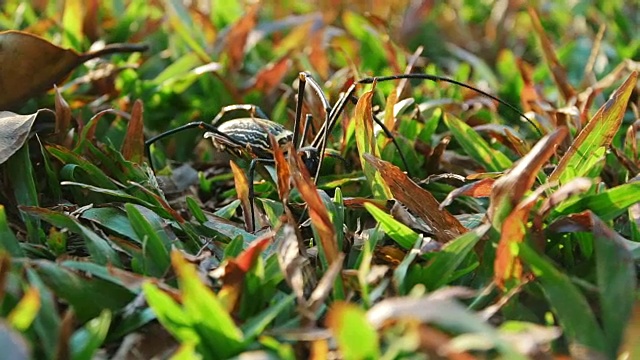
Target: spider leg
[250,108]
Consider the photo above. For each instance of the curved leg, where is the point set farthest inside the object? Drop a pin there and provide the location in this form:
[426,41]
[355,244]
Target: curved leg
[191,125]
[250,108]
[436,78]
[252,195]
[252,171]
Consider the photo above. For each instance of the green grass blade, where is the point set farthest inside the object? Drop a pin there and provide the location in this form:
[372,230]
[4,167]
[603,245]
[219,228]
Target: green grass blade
[475,146]
[569,305]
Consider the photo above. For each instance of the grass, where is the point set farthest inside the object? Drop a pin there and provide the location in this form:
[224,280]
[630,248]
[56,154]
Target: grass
[499,238]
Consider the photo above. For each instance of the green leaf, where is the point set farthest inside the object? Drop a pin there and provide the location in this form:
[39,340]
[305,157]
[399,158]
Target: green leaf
[608,204]
[170,314]
[8,241]
[156,243]
[20,173]
[400,233]
[588,146]
[100,250]
[113,219]
[86,341]
[255,326]
[206,313]
[443,264]
[616,275]
[475,146]
[355,336]
[568,303]
[87,295]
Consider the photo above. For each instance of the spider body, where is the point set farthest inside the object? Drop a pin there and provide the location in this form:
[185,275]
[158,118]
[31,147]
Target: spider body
[250,135]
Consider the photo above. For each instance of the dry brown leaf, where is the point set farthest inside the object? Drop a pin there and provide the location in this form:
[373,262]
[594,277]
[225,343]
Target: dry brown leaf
[317,210]
[133,145]
[480,188]
[445,226]
[242,188]
[63,117]
[28,57]
[237,37]
[318,54]
[557,70]
[510,188]
[14,131]
[270,77]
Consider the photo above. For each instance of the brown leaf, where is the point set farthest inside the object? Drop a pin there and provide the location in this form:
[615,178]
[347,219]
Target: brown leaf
[25,56]
[269,78]
[317,210]
[90,22]
[507,265]
[282,169]
[510,188]
[242,188]
[418,200]
[14,131]
[480,188]
[237,37]
[133,145]
[63,117]
[318,54]
[557,70]
[235,270]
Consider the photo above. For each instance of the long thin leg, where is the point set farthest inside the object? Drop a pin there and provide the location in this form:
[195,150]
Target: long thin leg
[452,81]
[250,108]
[390,135]
[296,125]
[308,122]
[252,195]
[191,125]
[252,171]
[327,112]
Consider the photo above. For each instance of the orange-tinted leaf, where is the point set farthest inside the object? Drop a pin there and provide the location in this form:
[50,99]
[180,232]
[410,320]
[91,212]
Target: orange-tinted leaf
[237,37]
[418,200]
[597,134]
[318,55]
[480,188]
[509,189]
[242,188]
[133,145]
[557,70]
[235,271]
[269,78]
[25,56]
[507,266]
[91,23]
[282,169]
[63,117]
[317,210]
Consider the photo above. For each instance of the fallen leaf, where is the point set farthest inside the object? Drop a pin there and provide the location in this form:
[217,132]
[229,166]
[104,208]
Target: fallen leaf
[15,130]
[25,56]
[444,225]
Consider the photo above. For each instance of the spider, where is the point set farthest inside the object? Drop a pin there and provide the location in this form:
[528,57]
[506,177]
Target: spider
[249,136]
